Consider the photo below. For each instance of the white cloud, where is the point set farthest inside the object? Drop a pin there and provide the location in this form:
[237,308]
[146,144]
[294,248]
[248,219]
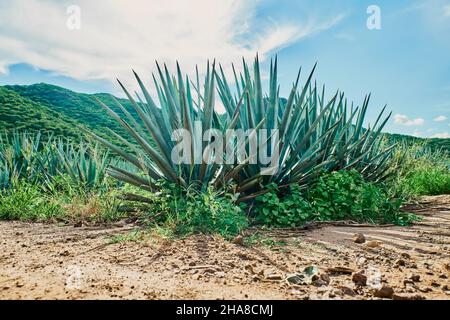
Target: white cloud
[442,135]
[406,121]
[447,10]
[119,35]
[440,118]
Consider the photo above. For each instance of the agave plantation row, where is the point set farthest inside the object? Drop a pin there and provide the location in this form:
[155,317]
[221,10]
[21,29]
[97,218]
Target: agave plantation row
[45,160]
[315,133]
[326,162]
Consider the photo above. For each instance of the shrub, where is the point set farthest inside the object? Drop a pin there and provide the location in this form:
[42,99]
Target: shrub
[292,210]
[184,212]
[345,195]
[427,179]
[98,207]
[340,195]
[27,202]
[421,172]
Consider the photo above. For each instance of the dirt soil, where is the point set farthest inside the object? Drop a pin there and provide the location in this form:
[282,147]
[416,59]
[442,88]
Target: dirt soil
[45,261]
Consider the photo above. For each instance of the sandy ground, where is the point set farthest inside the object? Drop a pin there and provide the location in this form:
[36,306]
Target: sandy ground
[42,261]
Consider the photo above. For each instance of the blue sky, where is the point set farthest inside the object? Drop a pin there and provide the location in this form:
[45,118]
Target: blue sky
[405,64]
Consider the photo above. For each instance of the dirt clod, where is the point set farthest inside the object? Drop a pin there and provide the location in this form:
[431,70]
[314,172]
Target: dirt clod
[359,238]
[359,279]
[384,292]
[373,244]
[400,263]
[414,277]
[239,240]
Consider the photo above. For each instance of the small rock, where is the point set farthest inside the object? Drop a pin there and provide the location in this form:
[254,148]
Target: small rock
[250,269]
[319,282]
[220,274]
[447,266]
[19,284]
[326,278]
[407,281]
[408,297]
[361,261]
[196,276]
[346,290]
[435,284]
[274,277]
[385,292]
[64,253]
[359,238]
[373,244]
[239,240]
[340,270]
[209,270]
[443,276]
[415,277]
[256,277]
[400,263]
[359,279]
[424,289]
[405,255]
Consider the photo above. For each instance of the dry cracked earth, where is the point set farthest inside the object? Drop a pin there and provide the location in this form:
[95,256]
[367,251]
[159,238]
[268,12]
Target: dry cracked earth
[326,261]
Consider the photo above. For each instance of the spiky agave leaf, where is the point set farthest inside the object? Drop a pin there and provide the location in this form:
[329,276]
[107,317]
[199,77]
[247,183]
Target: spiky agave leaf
[180,105]
[314,134]
[40,160]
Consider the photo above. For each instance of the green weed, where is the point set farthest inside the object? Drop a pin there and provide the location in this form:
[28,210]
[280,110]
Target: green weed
[341,195]
[183,212]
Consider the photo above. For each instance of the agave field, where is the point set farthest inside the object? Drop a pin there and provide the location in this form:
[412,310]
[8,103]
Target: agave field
[330,163]
[155,193]
[261,151]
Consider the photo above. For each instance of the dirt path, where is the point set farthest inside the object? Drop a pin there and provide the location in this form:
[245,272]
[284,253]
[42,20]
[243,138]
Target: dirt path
[39,261]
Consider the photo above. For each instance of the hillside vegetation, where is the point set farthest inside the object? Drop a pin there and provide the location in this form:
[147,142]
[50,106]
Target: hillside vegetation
[434,144]
[23,114]
[47,108]
[331,166]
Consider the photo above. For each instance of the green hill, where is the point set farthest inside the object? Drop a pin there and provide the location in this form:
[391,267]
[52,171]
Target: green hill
[432,143]
[50,108]
[20,113]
